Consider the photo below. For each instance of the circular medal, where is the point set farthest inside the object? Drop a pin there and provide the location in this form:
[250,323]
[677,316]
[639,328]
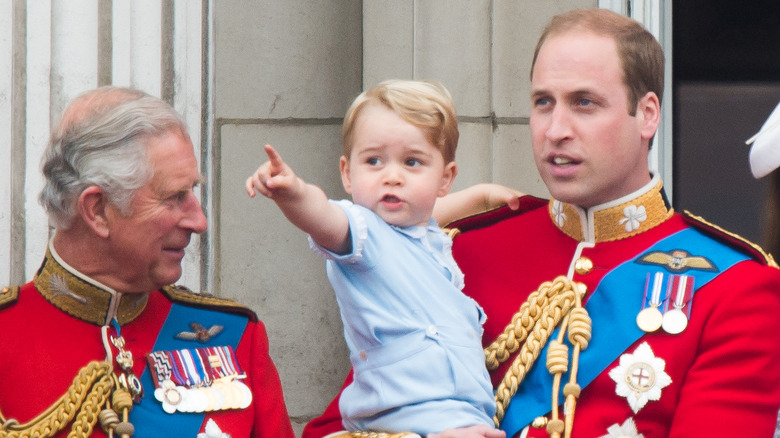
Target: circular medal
[172,396]
[199,400]
[219,397]
[211,398]
[246,395]
[675,321]
[228,395]
[184,402]
[135,387]
[649,319]
[235,396]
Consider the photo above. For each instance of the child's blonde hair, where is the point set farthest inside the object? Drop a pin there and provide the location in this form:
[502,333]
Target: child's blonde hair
[425,104]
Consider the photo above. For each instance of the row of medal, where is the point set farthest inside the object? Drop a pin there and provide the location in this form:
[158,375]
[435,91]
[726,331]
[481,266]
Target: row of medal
[199,380]
[666,303]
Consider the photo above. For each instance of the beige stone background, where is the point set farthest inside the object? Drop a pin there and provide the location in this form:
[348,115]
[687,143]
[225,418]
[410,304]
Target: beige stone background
[285,72]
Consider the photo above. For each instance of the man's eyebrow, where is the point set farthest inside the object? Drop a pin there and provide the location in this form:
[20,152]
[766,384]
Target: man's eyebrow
[186,188]
[583,92]
[539,92]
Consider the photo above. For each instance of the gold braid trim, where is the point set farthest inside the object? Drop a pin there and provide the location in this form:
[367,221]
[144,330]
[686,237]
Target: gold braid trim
[517,330]
[83,401]
[529,332]
[8,295]
[767,256]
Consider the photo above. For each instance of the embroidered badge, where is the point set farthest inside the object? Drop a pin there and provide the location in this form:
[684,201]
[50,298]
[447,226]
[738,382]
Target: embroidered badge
[200,332]
[212,431]
[640,377]
[677,261]
[625,430]
[60,287]
[634,216]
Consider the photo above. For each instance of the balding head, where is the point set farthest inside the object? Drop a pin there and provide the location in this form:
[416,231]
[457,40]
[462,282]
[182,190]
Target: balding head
[100,141]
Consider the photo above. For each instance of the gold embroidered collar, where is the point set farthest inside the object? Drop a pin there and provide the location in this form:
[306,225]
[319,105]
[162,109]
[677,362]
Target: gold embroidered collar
[619,219]
[82,297]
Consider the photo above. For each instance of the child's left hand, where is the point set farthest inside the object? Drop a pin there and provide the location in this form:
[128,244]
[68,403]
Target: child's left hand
[474,200]
[479,431]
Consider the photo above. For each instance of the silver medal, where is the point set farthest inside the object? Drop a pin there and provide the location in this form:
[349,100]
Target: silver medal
[675,321]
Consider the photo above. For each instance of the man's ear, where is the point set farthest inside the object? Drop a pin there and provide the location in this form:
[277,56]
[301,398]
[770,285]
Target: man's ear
[95,210]
[345,177]
[447,178]
[649,115]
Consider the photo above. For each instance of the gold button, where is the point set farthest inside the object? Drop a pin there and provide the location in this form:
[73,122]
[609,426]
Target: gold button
[539,422]
[583,265]
[363,355]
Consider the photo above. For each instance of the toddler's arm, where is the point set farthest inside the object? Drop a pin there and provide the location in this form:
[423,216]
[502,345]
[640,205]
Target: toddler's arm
[305,205]
[473,200]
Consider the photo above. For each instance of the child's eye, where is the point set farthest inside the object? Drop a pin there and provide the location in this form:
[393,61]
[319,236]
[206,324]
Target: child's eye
[373,161]
[413,162]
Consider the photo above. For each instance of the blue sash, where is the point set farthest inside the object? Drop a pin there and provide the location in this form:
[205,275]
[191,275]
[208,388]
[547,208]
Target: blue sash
[148,417]
[613,307]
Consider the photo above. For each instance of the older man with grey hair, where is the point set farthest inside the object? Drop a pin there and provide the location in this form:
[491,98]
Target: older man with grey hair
[101,332]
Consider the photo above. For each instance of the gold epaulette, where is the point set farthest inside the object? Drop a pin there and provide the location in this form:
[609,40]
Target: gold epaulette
[184,295]
[730,238]
[8,295]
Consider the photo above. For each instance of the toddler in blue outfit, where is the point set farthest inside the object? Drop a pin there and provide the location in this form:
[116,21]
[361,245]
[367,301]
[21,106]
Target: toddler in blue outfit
[414,338]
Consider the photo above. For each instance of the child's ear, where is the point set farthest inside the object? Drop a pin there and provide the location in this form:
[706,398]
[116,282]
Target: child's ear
[345,178]
[447,178]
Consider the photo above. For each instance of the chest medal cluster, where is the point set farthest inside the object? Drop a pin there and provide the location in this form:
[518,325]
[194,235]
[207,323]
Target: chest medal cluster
[666,303]
[199,380]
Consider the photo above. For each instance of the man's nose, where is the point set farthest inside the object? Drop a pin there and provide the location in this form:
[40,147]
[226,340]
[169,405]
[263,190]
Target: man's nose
[560,125]
[194,218]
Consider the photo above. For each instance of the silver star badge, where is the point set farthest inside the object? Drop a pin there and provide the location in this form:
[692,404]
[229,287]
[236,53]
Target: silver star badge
[640,377]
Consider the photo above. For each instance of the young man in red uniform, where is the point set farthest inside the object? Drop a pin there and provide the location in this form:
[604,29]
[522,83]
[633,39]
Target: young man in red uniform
[643,321]
[101,332]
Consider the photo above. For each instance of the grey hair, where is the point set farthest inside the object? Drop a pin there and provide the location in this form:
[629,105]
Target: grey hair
[101,141]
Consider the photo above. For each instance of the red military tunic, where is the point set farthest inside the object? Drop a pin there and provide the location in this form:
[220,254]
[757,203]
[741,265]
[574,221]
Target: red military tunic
[721,372]
[51,329]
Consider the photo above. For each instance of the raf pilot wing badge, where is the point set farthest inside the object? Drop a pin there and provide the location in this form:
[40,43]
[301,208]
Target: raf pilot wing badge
[677,261]
[200,332]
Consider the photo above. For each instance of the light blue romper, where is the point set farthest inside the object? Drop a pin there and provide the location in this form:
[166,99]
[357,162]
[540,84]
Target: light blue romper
[414,338]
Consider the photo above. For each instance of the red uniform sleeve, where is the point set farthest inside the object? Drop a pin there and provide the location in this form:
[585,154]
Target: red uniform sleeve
[733,386]
[270,413]
[330,420]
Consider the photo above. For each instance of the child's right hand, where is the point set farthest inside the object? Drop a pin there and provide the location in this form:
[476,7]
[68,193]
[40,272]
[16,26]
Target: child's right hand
[273,179]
